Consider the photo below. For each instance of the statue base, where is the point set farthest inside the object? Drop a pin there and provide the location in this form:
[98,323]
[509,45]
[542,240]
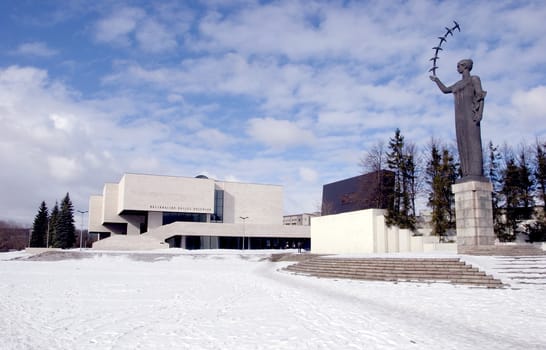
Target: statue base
[474,214]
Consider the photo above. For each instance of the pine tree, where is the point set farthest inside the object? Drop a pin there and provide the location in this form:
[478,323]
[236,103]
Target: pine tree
[65,230]
[394,163]
[540,172]
[410,190]
[39,228]
[526,185]
[53,218]
[441,173]
[400,212]
[494,173]
[512,193]
[449,175]
[413,173]
[434,197]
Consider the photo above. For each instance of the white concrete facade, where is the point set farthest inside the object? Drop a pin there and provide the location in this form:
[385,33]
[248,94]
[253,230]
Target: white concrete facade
[133,211]
[365,232]
[299,219]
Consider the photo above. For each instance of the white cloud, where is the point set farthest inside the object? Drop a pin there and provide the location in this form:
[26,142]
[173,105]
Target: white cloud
[153,31]
[214,138]
[38,49]
[63,123]
[308,174]
[63,168]
[186,84]
[154,37]
[19,77]
[117,27]
[45,149]
[531,103]
[278,134]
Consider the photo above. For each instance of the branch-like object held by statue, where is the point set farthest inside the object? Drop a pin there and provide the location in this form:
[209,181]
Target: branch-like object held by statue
[438,48]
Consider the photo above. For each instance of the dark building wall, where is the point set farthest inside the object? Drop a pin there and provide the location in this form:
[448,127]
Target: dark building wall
[368,191]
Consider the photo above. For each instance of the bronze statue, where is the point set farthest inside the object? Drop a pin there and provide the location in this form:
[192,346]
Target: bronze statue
[469,101]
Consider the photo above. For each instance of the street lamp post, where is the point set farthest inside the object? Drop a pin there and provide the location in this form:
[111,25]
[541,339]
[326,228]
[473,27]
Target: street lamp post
[81,228]
[244,221]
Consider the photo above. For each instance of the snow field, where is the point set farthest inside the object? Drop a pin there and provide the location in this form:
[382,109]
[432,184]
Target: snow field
[234,301]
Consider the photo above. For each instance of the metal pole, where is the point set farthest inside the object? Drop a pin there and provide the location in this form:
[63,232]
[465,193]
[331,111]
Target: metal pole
[81,228]
[244,221]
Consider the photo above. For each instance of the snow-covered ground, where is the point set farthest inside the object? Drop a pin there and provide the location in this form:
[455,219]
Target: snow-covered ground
[229,300]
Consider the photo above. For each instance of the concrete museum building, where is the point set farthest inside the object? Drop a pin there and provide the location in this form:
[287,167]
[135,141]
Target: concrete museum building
[153,211]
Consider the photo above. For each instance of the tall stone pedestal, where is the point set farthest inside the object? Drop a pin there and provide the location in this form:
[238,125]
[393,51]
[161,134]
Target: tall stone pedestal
[474,214]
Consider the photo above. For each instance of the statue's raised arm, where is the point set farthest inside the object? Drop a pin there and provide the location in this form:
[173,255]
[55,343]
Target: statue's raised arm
[443,88]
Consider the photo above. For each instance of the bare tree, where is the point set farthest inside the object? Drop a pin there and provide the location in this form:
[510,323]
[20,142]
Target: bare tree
[375,159]
[327,208]
[13,236]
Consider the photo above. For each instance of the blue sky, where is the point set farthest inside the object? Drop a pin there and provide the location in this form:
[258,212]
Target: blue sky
[282,92]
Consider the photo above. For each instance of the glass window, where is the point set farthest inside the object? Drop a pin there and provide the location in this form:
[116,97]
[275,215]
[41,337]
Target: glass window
[218,215]
[169,217]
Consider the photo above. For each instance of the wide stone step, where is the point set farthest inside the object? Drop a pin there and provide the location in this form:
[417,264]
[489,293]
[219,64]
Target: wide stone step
[519,271]
[388,266]
[308,267]
[393,260]
[363,267]
[482,282]
[418,274]
[503,250]
[451,270]
[380,265]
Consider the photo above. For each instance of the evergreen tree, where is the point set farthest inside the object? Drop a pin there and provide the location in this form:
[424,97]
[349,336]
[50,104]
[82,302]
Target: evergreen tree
[526,185]
[65,236]
[441,174]
[400,212]
[53,218]
[449,172]
[494,173]
[511,192]
[540,172]
[413,172]
[39,228]
[410,191]
[537,229]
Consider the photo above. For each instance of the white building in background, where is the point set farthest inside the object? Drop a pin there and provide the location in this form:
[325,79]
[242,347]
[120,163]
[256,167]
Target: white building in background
[299,219]
[153,211]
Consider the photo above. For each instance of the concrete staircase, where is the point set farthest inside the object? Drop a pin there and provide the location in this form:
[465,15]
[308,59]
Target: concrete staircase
[422,270]
[503,250]
[521,271]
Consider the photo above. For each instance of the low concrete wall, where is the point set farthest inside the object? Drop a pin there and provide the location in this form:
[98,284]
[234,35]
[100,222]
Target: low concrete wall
[416,244]
[345,233]
[440,247]
[365,231]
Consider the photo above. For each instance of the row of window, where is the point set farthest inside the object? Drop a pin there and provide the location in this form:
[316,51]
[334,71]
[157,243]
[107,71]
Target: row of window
[217,216]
